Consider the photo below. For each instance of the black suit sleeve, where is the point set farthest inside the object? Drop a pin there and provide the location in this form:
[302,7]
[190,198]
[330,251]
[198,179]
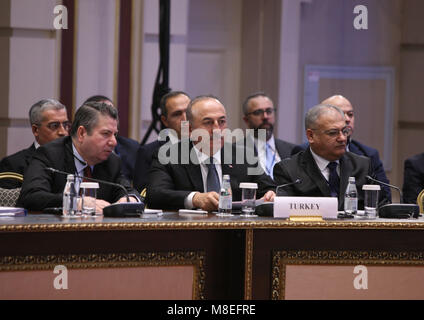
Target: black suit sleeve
[413,181]
[161,190]
[37,192]
[142,166]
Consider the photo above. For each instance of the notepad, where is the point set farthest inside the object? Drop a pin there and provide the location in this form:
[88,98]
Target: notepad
[12,212]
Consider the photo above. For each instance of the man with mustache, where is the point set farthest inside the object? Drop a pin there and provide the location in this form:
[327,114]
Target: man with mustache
[86,152]
[354,145]
[259,113]
[324,167]
[195,183]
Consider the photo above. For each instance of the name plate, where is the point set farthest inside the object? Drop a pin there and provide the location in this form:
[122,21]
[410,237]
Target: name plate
[305,207]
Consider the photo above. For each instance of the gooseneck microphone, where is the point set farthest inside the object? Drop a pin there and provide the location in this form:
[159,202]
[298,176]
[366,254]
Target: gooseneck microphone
[297,181]
[387,185]
[128,209]
[396,210]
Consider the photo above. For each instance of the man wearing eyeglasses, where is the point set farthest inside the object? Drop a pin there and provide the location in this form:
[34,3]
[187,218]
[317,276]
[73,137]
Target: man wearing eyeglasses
[354,145]
[325,166]
[259,113]
[49,121]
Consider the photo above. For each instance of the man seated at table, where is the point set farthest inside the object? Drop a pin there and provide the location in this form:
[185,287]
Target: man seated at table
[49,121]
[324,167]
[195,183]
[413,178]
[87,151]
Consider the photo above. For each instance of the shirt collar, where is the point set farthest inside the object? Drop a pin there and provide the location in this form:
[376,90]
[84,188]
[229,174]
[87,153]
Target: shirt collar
[320,161]
[204,157]
[36,145]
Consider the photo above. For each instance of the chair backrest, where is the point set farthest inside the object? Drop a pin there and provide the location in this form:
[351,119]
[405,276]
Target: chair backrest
[11,180]
[420,200]
[9,197]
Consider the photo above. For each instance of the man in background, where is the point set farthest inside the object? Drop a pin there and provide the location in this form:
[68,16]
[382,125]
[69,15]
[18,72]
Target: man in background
[173,107]
[49,121]
[259,113]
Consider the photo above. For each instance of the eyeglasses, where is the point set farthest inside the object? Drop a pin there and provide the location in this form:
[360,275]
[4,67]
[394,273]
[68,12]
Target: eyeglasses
[260,112]
[333,133]
[54,126]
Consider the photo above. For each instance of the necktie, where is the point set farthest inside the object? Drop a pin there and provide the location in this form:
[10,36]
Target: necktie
[270,160]
[87,173]
[333,180]
[212,180]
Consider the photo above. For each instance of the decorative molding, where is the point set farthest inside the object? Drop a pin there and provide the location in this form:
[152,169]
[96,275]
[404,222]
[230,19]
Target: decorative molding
[280,259]
[211,224]
[248,265]
[114,260]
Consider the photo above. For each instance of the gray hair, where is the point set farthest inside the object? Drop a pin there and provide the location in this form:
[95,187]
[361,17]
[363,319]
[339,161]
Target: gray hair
[189,111]
[88,115]
[253,96]
[316,112]
[37,109]
[165,98]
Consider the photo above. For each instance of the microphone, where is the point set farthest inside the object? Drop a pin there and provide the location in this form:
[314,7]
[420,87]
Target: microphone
[128,209]
[387,185]
[396,210]
[287,184]
[266,209]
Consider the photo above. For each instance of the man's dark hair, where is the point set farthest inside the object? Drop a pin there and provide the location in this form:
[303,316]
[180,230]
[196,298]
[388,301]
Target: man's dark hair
[165,98]
[98,98]
[88,115]
[252,96]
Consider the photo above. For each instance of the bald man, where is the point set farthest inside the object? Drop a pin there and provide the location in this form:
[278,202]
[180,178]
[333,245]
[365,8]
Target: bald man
[354,145]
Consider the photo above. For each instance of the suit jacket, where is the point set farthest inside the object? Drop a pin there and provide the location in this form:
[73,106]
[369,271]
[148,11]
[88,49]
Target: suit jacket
[303,166]
[169,184]
[143,162]
[363,150]
[126,149]
[17,162]
[43,189]
[284,148]
[413,178]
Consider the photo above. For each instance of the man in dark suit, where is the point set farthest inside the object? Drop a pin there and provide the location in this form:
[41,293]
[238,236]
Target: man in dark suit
[354,145]
[413,178]
[190,175]
[325,167]
[126,148]
[173,107]
[259,113]
[49,121]
[88,152]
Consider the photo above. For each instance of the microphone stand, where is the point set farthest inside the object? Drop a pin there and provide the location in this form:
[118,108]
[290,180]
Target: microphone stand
[126,209]
[396,210]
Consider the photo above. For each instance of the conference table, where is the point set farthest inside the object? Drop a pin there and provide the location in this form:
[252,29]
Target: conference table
[202,256]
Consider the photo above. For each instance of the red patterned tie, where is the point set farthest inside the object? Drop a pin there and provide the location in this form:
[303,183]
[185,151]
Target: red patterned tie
[87,173]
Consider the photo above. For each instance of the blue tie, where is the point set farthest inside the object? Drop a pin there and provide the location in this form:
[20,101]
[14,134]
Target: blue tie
[333,180]
[270,160]
[212,180]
